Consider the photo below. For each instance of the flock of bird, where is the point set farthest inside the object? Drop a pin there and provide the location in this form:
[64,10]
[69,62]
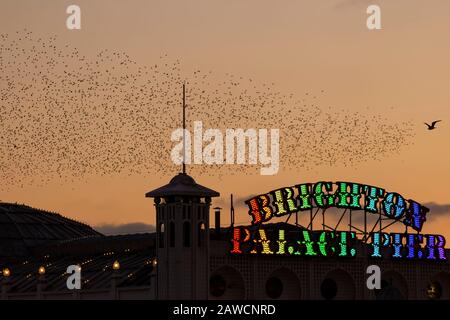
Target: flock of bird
[69,116]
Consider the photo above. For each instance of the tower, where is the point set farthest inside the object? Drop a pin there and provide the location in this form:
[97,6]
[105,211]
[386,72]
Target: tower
[182,228]
[182,232]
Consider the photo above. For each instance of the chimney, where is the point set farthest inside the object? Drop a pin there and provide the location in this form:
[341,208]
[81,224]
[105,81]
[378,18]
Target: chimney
[217,221]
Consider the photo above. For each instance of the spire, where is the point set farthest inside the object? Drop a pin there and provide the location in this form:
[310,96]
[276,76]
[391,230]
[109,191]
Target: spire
[184,128]
[232,211]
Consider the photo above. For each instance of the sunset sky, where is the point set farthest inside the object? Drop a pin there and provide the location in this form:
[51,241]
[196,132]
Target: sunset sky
[401,72]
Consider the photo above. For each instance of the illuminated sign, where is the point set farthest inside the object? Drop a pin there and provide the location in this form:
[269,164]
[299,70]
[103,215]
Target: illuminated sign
[299,241]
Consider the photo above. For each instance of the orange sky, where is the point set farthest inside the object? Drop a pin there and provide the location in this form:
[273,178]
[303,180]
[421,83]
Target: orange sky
[301,46]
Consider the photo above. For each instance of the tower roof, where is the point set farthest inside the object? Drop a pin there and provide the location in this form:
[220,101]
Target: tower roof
[182,185]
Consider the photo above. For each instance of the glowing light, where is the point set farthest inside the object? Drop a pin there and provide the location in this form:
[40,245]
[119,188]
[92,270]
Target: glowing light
[263,241]
[308,244]
[284,201]
[323,200]
[343,195]
[394,205]
[254,211]
[6,272]
[372,198]
[413,245]
[397,245]
[237,239]
[431,241]
[279,203]
[415,215]
[347,195]
[281,242]
[344,242]
[291,250]
[376,243]
[434,290]
[41,270]
[440,247]
[436,243]
[304,196]
[260,211]
[323,243]
[116,265]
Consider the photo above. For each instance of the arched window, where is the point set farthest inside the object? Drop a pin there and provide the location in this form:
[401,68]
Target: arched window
[328,289]
[172,234]
[161,235]
[274,287]
[186,234]
[217,285]
[201,234]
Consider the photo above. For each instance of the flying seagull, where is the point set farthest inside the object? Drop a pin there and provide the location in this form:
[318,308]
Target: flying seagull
[433,125]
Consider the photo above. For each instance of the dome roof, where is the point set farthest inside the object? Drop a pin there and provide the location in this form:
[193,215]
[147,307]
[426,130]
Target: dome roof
[23,227]
[182,185]
[182,179]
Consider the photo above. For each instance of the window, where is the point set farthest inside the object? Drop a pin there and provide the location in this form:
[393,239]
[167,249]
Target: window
[328,289]
[161,235]
[201,234]
[186,234]
[274,287]
[434,290]
[172,234]
[217,285]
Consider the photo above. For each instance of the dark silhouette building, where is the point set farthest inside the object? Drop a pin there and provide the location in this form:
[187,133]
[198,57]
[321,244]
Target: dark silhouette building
[182,220]
[185,259]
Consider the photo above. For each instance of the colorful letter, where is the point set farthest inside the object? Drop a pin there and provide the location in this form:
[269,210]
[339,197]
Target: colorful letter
[281,242]
[394,205]
[260,211]
[344,242]
[413,245]
[264,242]
[379,240]
[415,215]
[372,197]
[284,201]
[304,195]
[237,239]
[433,247]
[343,194]
[397,245]
[308,243]
[323,200]
[323,243]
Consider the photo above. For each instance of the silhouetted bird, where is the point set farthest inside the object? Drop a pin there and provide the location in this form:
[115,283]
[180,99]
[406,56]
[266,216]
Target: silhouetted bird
[433,125]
